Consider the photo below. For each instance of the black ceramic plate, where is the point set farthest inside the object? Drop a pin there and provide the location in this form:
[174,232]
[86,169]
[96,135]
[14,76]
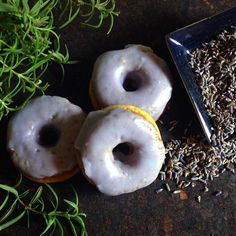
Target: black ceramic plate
[184,40]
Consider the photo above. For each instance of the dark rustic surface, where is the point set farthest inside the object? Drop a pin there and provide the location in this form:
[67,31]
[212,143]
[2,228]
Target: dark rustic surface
[142,213]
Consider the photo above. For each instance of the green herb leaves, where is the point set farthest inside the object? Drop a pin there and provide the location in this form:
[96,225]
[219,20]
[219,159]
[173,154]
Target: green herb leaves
[96,12]
[26,49]
[43,202]
[29,43]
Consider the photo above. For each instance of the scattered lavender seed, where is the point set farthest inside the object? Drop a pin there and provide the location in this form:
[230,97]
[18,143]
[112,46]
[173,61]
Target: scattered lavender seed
[206,189]
[177,191]
[167,187]
[222,170]
[198,198]
[218,193]
[187,184]
[159,190]
[174,122]
[171,128]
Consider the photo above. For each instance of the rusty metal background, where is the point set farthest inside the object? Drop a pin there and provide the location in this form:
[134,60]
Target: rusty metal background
[142,213]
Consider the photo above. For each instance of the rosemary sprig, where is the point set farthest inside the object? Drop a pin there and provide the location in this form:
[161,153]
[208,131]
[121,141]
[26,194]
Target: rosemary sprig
[96,12]
[43,202]
[26,49]
[29,43]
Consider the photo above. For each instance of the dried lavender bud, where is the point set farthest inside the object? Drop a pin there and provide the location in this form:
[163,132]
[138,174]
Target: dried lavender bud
[214,66]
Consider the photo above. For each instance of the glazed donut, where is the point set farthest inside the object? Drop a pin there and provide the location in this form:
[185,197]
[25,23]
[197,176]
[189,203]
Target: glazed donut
[120,149]
[41,139]
[134,76]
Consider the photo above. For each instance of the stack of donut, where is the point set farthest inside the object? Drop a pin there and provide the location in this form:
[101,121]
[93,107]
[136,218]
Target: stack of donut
[118,147]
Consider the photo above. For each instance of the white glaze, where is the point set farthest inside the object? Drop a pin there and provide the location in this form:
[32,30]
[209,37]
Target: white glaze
[33,159]
[111,68]
[101,132]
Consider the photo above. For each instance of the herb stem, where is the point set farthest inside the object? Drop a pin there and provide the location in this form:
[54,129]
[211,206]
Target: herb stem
[36,205]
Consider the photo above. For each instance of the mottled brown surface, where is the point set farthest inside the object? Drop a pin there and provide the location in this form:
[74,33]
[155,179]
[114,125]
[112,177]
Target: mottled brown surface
[142,213]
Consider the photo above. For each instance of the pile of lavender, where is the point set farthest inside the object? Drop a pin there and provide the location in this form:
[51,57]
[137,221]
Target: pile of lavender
[192,159]
[214,65]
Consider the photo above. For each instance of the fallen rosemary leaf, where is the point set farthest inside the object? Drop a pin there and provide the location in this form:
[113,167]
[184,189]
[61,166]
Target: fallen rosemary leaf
[44,202]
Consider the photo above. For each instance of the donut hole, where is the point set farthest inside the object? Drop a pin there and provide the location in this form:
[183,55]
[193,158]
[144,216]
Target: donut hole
[122,152]
[48,135]
[132,81]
